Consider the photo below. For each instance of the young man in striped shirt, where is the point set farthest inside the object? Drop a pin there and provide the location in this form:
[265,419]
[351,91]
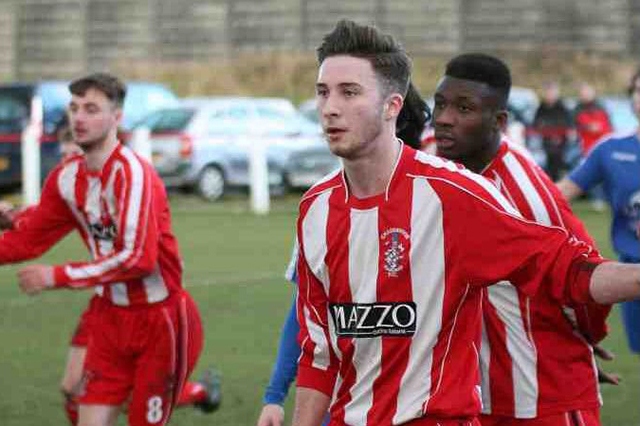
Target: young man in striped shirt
[395,250]
[146,333]
[537,364]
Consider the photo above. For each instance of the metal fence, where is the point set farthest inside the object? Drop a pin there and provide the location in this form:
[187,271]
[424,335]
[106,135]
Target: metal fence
[60,38]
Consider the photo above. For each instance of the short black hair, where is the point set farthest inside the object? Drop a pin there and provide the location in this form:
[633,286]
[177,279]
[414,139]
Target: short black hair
[413,118]
[113,88]
[485,69]
[387,57]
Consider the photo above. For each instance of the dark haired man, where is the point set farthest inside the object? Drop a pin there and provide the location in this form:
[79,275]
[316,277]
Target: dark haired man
[534,365]
[394,253]
[146,333]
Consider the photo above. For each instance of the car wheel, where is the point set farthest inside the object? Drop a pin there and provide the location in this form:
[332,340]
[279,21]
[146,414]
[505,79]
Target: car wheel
[211,184]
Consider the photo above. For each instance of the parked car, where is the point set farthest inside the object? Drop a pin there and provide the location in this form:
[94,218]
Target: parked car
[15,112]
[204,144]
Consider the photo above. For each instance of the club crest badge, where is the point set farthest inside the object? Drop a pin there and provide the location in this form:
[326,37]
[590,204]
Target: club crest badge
[395,243]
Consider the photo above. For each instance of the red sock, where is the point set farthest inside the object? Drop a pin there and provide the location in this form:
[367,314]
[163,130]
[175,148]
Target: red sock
[192,392]
[71,408]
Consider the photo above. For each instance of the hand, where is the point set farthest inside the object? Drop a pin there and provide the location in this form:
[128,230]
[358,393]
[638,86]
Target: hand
[608,378]
[603,376]
[35,278]
[271,415]
[7,215]
[603,353]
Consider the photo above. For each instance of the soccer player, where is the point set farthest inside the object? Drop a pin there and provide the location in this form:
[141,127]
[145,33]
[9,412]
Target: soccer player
[534,365]
[410,127]
[394,251]
[145,330]
[615,163]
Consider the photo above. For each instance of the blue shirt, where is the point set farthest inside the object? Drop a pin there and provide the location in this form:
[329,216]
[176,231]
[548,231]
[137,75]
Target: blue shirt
[286,366]
[615,162]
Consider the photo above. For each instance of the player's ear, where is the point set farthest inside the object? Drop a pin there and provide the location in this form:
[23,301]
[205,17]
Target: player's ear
[393,106]
[501,118]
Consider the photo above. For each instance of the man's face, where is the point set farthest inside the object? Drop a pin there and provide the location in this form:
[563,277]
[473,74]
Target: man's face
[350,104]
[464,118]
[92,117]
[635,97]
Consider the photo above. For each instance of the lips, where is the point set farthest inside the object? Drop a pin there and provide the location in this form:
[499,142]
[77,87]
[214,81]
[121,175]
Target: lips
[444,141]
[334,133]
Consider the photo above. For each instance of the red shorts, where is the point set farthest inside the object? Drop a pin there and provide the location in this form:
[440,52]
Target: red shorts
[442,421]
[589,417]
[80,336]
[142,355]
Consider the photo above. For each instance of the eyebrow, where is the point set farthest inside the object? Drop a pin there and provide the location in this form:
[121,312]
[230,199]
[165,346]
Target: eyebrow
[88,104]
[341,85]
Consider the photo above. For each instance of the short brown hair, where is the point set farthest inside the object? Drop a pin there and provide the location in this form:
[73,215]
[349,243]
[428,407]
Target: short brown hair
[387,57]
[113,88]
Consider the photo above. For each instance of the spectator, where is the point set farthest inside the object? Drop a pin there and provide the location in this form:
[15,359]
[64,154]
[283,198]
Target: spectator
[592,123]
[553,124]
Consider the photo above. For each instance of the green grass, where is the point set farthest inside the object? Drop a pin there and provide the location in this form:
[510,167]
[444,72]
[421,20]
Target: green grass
[234,263]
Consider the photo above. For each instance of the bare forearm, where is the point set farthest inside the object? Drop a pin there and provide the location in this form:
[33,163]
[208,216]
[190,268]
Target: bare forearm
[614,282]
[311,407]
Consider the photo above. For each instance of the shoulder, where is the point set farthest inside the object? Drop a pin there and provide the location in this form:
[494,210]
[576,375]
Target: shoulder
[615,141]
[68,166]
[331,181]
[456,184]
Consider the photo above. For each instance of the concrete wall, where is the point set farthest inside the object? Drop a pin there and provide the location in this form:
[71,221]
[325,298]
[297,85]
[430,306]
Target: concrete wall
[61,38]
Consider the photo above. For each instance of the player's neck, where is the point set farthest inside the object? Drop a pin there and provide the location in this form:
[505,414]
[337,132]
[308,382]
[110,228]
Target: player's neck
[479,161]
[369,175]
[98,155]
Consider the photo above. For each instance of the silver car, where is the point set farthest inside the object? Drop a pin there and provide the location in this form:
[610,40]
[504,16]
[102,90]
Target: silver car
[204,144]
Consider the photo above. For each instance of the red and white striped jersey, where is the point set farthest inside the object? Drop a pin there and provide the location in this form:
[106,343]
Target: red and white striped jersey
[390,288]
[533,362]
[122,214]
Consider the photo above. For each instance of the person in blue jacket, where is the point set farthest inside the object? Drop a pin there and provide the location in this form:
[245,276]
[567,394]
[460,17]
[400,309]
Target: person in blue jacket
[614,162]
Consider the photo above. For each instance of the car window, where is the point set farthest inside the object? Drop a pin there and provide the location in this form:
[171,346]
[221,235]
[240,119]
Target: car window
[168,120]
[15,103]
[228,121]
[142,99]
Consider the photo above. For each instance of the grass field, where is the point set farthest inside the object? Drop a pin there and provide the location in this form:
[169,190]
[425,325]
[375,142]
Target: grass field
[234,263]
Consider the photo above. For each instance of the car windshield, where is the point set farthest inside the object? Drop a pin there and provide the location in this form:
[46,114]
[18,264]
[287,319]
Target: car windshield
[168,120]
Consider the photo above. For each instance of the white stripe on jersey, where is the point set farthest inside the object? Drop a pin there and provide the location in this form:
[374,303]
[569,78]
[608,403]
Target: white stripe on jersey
[485,377]
[67,188]
[321,352]
[534,201]
[363,276]
[427,284]
[480,180]
[155,287]
[314,231]
[504,297]
[119,294]
[135,214]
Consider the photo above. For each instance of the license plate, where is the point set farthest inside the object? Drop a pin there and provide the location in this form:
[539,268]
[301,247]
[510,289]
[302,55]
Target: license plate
[4,164]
